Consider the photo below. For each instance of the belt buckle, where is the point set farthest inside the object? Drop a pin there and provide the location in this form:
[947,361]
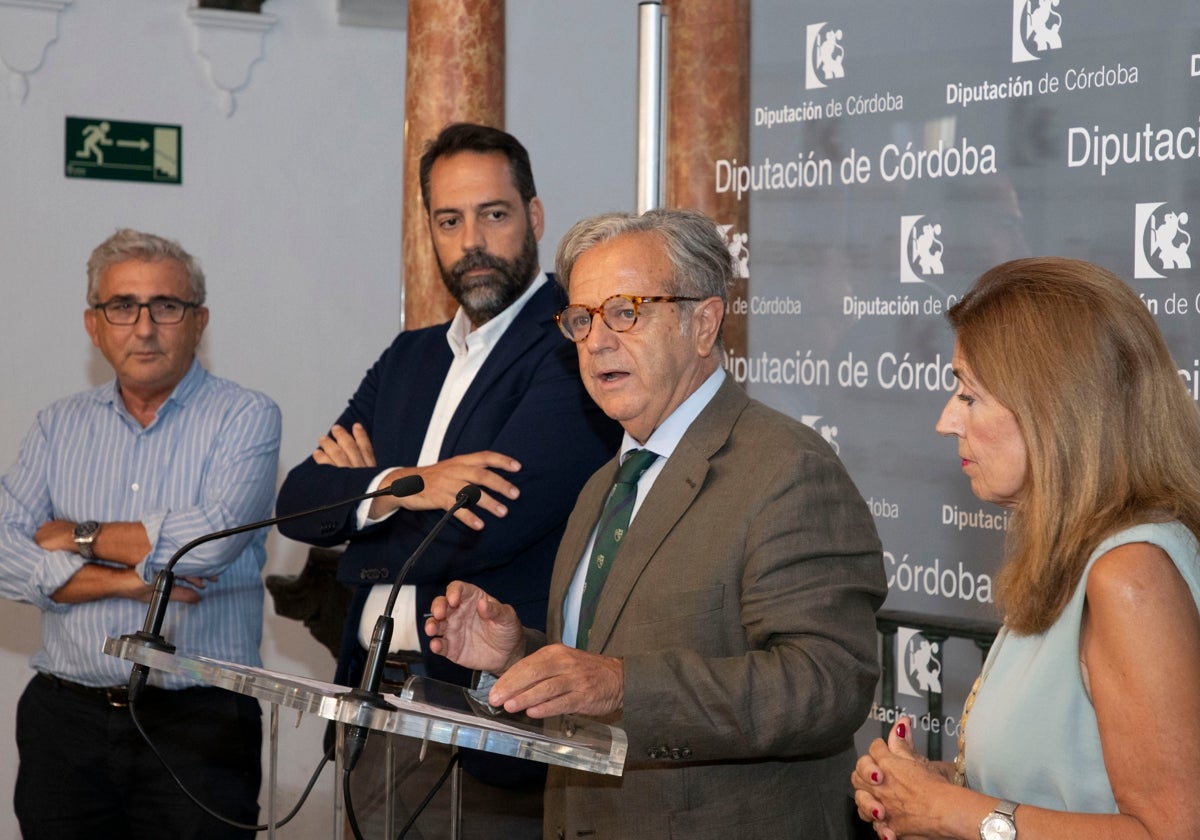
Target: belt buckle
[117,696]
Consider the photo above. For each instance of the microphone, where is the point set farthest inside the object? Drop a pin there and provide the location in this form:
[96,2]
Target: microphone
[381,637]
[150,635]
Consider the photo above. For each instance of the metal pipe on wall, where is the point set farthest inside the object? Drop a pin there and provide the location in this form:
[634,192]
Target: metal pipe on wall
[651,96]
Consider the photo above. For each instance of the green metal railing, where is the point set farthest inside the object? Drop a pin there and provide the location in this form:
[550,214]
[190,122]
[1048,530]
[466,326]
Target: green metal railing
[935,629]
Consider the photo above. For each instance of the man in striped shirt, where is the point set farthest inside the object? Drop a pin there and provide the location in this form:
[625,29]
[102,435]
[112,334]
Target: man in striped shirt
[108,484]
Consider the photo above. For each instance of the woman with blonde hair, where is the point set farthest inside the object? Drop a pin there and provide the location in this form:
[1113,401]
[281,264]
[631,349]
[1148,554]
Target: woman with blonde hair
[1071,412]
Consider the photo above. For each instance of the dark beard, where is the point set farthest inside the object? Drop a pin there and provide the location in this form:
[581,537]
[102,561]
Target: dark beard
[484,297]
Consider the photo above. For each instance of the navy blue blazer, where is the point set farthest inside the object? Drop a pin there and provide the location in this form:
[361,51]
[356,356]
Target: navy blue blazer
[527,402]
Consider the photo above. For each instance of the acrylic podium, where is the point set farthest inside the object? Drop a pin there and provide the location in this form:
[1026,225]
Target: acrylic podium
[425,710]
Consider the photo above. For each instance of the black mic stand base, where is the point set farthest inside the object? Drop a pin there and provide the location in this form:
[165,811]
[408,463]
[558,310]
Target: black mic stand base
[149,636]
[356,736]
[368,690]
[149,640]
[140,673]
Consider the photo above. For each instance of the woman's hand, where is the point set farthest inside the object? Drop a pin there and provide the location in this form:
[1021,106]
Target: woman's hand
[895,788]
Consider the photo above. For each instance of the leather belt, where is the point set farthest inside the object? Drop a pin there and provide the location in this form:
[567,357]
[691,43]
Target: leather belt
[114,695]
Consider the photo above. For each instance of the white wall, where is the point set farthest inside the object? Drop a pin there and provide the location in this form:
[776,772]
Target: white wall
[292,205]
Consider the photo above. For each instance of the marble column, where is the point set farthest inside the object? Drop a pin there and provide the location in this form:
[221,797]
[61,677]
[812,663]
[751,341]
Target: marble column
[708,118]
[455,73]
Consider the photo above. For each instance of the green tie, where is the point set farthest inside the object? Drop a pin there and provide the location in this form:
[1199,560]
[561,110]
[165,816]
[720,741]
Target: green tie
[614,520]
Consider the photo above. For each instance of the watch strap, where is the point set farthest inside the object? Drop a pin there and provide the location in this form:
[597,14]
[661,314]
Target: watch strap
[1006,807]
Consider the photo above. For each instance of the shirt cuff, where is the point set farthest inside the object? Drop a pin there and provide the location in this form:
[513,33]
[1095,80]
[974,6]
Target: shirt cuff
[363,512]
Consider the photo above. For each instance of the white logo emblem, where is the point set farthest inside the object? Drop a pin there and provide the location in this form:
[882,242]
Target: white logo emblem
[823,56]
[1036,26]
[921,248]
[739,251]
[1162,240]
[920,670]
[828,432]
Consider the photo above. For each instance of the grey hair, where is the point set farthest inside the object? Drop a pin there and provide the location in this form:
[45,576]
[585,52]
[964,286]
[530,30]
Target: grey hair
[700,260]
[129,244]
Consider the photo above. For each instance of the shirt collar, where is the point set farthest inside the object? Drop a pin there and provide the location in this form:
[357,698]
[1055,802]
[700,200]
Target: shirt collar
[666,437]
[110,393]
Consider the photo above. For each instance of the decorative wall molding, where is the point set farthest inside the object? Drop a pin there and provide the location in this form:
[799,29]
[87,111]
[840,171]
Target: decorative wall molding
[27,29]
[230,43]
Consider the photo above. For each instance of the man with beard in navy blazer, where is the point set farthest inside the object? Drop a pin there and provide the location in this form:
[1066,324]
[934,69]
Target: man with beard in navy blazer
[492,398]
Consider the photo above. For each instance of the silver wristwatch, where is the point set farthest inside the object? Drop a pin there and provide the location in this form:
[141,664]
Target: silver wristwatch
[85,536]
[999,824]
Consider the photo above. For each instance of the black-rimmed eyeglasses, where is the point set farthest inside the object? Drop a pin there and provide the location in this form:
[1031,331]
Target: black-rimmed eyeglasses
[122,312]
[620,313]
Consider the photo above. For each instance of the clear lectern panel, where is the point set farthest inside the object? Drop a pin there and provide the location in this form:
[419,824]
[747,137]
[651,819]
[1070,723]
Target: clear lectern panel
[426,709]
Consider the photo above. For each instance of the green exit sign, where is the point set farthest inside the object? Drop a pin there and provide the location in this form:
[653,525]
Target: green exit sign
[123,151]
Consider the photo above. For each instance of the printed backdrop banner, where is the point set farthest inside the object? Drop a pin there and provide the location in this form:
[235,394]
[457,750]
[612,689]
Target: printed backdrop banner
[897,150]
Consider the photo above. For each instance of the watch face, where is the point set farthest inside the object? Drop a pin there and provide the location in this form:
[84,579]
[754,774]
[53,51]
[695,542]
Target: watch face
[997,827]
[85,535]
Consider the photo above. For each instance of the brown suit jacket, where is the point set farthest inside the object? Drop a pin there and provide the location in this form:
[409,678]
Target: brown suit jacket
[742,603]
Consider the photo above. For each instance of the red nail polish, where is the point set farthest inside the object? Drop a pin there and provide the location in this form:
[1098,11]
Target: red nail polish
[875,813]
[875,778]
[902,730]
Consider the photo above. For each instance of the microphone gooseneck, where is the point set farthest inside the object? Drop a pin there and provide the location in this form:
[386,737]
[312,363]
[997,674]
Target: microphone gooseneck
[151,636]
[466,497]
[381,635]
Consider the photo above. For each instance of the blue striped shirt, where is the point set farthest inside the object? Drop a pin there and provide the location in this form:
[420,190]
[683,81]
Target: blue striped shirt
[208,461]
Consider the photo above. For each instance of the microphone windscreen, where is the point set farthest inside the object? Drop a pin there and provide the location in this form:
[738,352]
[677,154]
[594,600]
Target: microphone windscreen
[406,486]
[469,495]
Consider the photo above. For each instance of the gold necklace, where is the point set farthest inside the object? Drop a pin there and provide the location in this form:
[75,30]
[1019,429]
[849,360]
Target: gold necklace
[960,760]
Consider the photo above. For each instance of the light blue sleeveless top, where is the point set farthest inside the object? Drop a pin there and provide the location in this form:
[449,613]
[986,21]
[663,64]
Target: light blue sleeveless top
[1031,734]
